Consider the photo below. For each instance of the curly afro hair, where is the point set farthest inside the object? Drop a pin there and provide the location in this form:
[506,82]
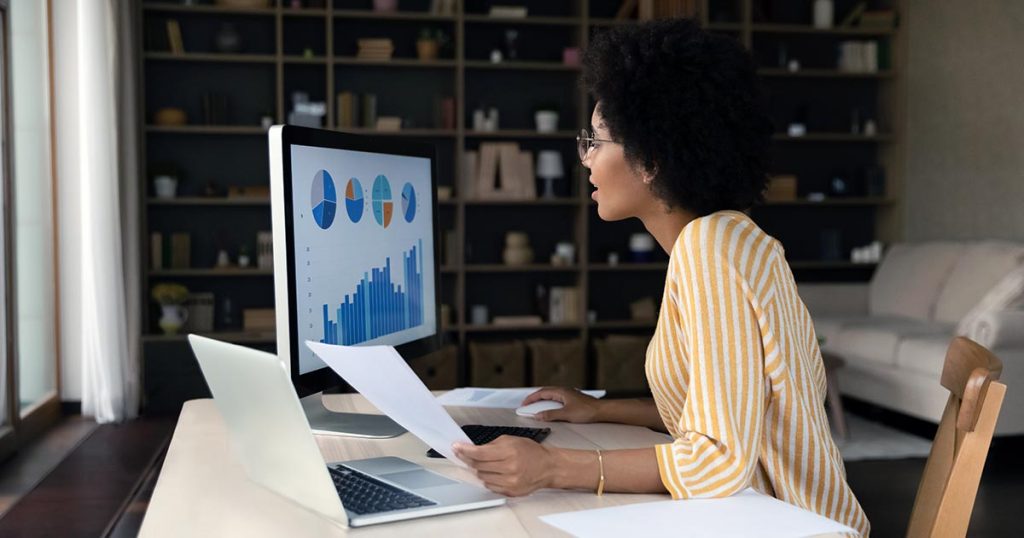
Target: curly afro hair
[688,108]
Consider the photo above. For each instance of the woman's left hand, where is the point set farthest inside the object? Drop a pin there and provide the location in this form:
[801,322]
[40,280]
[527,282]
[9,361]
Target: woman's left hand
[509,465]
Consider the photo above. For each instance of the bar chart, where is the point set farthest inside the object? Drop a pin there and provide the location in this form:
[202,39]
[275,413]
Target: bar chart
[378,306]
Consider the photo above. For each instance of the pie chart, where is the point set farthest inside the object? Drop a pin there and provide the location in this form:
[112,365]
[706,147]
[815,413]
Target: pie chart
[354,200]
[383,207]
[323,199]
[408,202]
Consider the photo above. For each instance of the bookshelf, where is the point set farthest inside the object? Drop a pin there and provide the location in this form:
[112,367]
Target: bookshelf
[312,49]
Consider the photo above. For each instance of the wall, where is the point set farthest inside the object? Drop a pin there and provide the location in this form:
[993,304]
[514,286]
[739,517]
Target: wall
[965,120]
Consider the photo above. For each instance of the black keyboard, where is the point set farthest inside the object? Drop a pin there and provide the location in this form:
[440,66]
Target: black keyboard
[481,435]
[363,494]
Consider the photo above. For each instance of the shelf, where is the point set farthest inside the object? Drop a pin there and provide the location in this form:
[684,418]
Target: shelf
[532,268]
[303,12]
[725,27]
[830,202]
[208,129]
[304,60]
[604,267]
[215,10]
[202,273]
[804,29]
[599,21]
[832,137]
[521,133]
[208,201]
[830,265]
[551,21]
[425,133]
[518,65]
[821,73]
[470,328]
[558,202]
[625,324]
[390,15]
[397,62]
[210,57]
[224,336]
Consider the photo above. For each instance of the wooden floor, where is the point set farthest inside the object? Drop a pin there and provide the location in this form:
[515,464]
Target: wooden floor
[102,488]
[90,491]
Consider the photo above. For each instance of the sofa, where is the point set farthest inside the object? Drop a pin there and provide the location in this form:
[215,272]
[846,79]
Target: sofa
[892,333]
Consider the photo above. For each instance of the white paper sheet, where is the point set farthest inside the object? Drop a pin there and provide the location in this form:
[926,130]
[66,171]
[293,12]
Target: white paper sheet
[748,513]
[495,398]
[381,375]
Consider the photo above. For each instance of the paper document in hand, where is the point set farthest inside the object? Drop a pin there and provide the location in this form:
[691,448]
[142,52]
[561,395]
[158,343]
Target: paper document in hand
[381,375]
[495,398]
[748,513]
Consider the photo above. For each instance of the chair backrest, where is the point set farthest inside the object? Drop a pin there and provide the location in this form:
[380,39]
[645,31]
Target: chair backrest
[946,495]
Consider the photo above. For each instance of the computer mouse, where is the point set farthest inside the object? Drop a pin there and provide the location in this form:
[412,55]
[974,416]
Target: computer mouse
[538,407]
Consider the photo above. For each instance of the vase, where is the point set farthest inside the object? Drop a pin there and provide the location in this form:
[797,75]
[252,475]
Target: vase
[173,318]
[426,49]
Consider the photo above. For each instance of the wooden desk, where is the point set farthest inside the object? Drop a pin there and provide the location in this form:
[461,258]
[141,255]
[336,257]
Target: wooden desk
[203,491]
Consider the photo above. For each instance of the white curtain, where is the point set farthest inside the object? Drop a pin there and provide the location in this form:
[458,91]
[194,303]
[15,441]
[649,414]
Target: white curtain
[97,170]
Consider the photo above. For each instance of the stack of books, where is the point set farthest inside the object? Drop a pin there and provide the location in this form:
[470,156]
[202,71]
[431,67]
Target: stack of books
[375,49]
[564,305]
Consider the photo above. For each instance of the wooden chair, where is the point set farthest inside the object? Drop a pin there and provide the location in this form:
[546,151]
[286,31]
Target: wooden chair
[946,495]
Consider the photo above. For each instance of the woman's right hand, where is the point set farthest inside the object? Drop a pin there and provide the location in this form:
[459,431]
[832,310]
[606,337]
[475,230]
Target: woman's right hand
[577,407]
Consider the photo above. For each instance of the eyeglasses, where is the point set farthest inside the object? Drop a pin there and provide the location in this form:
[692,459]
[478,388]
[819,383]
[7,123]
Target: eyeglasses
[585,143]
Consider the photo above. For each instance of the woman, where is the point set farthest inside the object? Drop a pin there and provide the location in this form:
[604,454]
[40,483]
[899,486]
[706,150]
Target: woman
[680,140]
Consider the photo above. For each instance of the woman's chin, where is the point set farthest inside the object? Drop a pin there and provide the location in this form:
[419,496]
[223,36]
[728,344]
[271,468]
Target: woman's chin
[607,213]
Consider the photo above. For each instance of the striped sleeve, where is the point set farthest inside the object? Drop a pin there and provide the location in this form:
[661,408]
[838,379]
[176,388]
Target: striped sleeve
[715,452]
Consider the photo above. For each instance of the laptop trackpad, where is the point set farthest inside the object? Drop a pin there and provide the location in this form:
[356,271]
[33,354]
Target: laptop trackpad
[417,479]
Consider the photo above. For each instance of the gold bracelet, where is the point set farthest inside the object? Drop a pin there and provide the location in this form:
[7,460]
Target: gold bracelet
[600,481]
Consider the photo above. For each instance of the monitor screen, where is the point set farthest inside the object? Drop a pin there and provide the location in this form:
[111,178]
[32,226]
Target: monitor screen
[363,248]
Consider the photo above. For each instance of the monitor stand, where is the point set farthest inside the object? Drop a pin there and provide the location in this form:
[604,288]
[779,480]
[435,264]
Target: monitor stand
[327,422]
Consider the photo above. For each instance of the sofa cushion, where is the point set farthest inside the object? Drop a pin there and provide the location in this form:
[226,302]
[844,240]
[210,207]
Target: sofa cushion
[876,340]
[827,327]
[908,281]
[1008,294]
[923,354]
[979,268]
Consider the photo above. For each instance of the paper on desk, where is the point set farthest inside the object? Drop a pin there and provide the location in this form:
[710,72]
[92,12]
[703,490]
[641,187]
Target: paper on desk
[495,398]
[381,375]
[748,513]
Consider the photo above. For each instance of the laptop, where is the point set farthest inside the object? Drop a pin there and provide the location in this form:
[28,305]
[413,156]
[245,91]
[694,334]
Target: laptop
[271,436]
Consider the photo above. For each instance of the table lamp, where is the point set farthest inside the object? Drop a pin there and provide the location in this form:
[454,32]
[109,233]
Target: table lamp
[549,168]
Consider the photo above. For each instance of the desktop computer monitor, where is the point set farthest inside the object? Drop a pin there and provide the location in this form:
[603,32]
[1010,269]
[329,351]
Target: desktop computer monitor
[355,256]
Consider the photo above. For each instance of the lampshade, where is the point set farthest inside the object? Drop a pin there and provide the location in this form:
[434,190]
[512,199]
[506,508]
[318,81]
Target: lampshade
[549,164]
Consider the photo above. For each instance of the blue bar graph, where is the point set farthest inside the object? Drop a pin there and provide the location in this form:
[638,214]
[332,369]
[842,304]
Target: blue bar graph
[378,307]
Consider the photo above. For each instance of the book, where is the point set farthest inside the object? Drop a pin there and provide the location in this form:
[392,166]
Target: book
[509,12]
[470,171]
[156,250]
[347,109]
[389,123]
[181,251]
[368,110]
[265,250]
[174,40]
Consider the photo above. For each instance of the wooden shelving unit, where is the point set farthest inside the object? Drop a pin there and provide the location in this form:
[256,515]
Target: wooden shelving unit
[312,49]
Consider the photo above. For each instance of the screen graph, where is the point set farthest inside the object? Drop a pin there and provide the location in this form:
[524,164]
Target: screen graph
[378,306]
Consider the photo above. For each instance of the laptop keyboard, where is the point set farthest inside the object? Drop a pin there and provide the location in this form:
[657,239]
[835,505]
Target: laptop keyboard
[481,435]
[363,494]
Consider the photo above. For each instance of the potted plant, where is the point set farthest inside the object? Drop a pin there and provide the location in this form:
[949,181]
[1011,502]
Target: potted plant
[171,298]
[429,43]
[545,116]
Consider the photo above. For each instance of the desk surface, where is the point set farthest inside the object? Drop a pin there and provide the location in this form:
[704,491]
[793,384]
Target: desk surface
[203,491]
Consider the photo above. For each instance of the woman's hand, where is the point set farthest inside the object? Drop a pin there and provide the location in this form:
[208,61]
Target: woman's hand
[509,465]
[577,407]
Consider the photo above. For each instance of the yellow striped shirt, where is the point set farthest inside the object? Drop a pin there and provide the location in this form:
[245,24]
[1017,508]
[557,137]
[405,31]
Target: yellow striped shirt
[736,373]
